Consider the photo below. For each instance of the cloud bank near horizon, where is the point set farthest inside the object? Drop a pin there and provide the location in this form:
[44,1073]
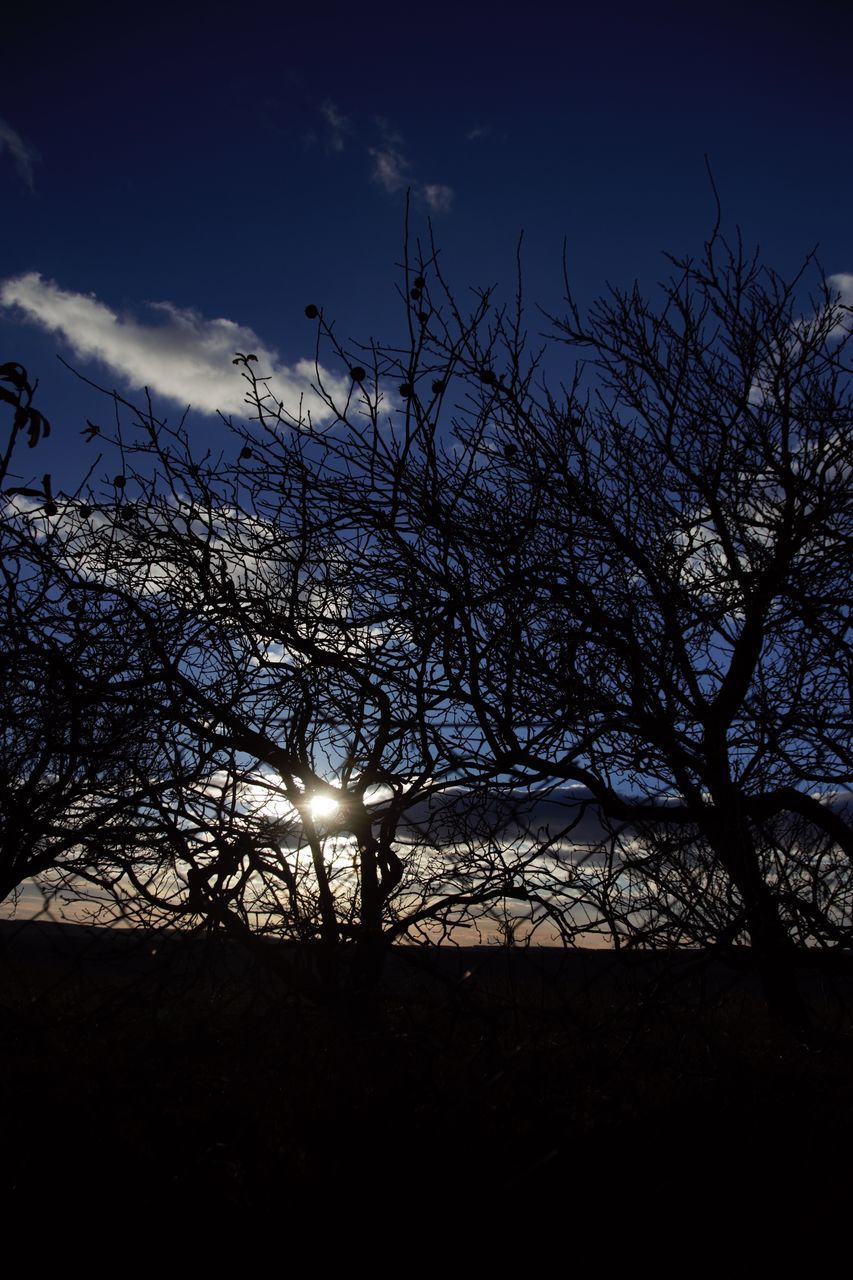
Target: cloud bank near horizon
[185,357]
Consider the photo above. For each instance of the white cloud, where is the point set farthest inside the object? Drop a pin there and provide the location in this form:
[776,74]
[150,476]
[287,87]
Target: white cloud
[832,321]
[438,196]
[842,282]
[185,358]
[24,155]
[389,168]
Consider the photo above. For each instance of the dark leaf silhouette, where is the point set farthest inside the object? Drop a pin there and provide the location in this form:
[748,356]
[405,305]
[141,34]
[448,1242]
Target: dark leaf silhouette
[39,428]
[14,373]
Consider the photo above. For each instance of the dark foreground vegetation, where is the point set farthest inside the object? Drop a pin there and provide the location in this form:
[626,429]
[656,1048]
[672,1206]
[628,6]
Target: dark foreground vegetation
[172,1075]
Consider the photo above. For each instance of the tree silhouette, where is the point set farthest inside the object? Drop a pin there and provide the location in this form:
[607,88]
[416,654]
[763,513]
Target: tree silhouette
[323,784]
[470,590]
[80,742]
[702,503]
[641,582]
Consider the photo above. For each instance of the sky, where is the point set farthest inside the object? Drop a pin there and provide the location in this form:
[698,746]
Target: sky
[176,185]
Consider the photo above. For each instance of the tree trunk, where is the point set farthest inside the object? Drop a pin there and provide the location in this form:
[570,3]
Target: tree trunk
[370,947]
[774,953]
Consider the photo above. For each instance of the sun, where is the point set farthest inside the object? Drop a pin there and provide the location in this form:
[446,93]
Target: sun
[323,807]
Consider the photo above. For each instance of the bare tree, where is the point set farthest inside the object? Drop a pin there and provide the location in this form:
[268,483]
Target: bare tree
[469,588]
[669,539]
[639,584]
[716,475]
[78,707]
[322,766]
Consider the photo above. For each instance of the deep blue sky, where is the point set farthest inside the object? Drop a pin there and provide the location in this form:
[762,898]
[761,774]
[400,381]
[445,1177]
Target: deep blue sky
[242,161]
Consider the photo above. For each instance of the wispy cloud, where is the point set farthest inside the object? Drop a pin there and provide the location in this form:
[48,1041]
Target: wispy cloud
[389,165]
[337,123]
[185,358]
[391,171]
[478,131]
[390,168]
[22,153]
[438,196]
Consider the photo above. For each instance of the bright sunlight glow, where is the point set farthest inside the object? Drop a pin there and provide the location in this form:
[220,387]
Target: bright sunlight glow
[323,806]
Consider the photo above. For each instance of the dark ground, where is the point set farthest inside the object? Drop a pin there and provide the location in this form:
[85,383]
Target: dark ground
[515,1090]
